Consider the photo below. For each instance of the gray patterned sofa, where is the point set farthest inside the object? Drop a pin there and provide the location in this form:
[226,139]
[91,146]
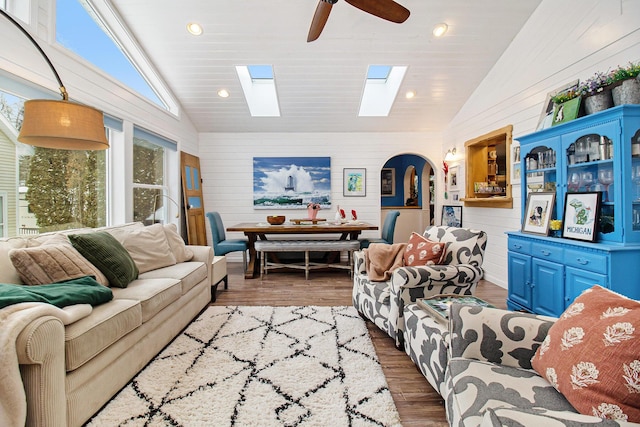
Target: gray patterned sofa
[383,302]
[481,365]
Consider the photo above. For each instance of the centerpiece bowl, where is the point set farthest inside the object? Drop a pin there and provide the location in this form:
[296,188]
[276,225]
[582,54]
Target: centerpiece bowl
[276,219]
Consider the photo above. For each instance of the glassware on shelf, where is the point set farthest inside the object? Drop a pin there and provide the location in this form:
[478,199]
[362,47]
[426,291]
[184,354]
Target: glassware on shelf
[586,180]
[605,177]
[582,150]
[574,182]
[635,177]
[534,187]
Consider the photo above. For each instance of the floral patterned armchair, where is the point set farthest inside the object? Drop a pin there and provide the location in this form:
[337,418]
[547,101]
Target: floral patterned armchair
[383,302]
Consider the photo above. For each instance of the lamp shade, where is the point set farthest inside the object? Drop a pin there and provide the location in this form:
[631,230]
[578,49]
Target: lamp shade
[62,125]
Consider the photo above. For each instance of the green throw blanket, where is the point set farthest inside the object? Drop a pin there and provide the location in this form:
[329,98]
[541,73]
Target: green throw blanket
[84,290]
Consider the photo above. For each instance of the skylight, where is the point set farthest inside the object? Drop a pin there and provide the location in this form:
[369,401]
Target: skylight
[380,90]
[259,87]
[79,32]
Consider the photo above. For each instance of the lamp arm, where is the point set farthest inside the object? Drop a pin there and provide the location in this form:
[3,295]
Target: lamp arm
[63,91]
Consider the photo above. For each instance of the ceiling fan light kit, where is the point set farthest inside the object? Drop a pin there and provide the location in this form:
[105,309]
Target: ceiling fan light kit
[388,10]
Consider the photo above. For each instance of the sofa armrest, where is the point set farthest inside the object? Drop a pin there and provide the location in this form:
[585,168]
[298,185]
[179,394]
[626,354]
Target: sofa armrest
[41,355]
[429,280]
[203,254]
[358,263]
[494,335]
[507,416]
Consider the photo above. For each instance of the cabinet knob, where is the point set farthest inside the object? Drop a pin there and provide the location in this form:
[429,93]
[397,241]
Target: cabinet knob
[545,252]
[582,261]
[515,245]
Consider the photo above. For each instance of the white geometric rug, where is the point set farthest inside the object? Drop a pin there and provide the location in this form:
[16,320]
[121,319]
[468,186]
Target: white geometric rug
[261,366]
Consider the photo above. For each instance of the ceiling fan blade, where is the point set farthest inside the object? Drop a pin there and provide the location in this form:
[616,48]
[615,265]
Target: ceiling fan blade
[385,9]
[319,19]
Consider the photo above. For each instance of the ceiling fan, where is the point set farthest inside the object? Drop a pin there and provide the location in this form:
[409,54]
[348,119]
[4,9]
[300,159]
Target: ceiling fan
[385,9]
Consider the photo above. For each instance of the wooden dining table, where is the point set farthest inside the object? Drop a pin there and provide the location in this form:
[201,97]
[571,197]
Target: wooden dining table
[259,230]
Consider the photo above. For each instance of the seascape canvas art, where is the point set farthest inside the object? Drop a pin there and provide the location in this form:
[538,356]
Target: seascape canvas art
[291,182]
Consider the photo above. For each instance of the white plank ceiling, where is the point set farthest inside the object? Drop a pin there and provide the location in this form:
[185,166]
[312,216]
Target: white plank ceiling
[320,83]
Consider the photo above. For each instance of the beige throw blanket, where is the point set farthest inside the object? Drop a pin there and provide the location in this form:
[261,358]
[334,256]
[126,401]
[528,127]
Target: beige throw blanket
[13,319]
[381,259]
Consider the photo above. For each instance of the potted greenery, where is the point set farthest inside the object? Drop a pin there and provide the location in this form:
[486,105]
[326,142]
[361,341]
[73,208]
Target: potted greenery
[626,84]
[596,92]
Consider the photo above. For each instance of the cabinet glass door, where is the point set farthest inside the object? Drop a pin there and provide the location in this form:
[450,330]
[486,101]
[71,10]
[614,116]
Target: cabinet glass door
[591,166]
[540,166]
[635,181]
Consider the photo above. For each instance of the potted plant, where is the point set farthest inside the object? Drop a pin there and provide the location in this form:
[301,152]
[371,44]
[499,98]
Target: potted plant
[596,92]
[626,84]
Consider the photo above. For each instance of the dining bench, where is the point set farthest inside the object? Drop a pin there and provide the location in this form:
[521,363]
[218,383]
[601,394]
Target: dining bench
[264,247]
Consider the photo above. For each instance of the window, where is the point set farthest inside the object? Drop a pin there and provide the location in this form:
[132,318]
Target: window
[56,189]
[149,171]
[79,29]
[3,214]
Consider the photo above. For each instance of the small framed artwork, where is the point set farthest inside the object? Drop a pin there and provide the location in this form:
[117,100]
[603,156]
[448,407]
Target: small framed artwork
[581,212]
[453,178]
[566,111]
[354,182]
[538,213]
[546,116]
[516,170]
[388,182]
[452,216]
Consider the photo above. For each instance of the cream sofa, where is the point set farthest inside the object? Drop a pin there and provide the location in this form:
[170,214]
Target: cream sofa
[69,372]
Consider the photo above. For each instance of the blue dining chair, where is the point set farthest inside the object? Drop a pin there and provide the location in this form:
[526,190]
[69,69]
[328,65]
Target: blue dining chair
[222,245]
[388,228]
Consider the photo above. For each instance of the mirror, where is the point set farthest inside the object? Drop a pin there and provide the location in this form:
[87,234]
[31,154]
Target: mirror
[488,170]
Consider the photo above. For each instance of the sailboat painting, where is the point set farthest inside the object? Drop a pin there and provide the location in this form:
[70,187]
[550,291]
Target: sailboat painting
[291,182]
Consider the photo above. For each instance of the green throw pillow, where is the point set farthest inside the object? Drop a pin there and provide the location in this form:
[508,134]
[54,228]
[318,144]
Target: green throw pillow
[108,255]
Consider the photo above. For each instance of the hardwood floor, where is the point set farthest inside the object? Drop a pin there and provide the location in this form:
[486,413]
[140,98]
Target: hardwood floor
[417,402]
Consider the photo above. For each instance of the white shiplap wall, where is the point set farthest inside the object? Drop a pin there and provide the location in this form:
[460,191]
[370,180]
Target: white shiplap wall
[564,40]
[227,168]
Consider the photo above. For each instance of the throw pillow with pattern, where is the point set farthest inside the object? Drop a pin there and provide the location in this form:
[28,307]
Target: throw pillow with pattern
[422,251]
[592,355]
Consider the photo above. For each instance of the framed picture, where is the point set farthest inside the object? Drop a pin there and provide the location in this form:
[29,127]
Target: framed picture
[453,178]
[516,171]
[581,212]
[388,182]
[546,116]
[566,111]
[354,182]
[538,213]
[452,216]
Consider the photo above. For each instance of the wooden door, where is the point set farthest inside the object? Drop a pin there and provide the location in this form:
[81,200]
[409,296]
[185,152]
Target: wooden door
[192,193]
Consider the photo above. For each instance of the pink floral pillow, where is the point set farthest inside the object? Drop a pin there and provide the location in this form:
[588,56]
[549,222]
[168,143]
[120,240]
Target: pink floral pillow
[592,355]
[422,251]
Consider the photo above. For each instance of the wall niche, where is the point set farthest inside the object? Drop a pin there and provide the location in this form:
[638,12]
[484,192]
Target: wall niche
[488,170]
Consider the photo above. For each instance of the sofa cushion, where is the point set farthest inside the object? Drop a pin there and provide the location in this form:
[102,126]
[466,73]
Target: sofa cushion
[464,246]
[422,251]
[147,246]
[189,273]
[8,273]
[106,324]
[474,386]
[591,355]
[179,249]
[56,260]
[106,253]
[153,294]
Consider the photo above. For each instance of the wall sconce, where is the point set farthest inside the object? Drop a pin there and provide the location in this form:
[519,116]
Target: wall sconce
[450,155]
[61,124]
[155,205]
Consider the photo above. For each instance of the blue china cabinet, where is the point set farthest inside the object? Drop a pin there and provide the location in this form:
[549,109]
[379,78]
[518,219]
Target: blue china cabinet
[595,153]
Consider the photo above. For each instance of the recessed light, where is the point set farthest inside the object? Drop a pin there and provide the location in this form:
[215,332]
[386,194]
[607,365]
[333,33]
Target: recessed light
[410,94]
[194,28]
[440,29]
[223,93]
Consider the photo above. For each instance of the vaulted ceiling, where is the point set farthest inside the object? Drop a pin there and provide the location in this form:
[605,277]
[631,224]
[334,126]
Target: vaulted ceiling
[320,84]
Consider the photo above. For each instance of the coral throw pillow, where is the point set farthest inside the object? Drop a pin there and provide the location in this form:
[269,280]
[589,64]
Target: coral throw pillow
[592,355]
[422,251]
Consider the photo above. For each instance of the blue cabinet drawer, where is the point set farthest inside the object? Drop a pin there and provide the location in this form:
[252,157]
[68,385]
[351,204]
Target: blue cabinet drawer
[585,260]
[519,245]
[550,252]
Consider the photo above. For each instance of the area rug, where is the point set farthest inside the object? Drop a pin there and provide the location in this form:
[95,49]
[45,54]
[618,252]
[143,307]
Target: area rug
[261,366]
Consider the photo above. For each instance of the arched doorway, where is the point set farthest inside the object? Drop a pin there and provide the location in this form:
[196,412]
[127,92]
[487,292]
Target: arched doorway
[408,185]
